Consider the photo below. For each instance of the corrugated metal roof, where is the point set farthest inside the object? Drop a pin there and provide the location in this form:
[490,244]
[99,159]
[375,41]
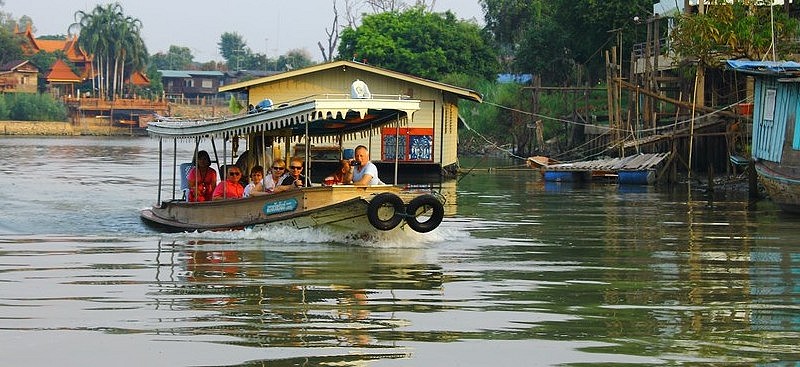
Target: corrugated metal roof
[764,67]
[174,74]
[189,73]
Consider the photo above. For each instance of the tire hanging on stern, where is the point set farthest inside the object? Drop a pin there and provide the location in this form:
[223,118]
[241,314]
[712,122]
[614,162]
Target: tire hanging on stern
[385,200]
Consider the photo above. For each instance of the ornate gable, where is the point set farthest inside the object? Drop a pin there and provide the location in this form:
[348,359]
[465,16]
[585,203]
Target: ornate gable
[61,73]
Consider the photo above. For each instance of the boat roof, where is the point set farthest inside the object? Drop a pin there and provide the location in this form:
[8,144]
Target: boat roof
[318,116]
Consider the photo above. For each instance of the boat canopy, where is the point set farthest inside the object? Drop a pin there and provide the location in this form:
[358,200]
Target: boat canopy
[312,117]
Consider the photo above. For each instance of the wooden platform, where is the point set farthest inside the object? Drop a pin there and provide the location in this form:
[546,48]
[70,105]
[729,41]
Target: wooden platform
[637,162]
[637,169]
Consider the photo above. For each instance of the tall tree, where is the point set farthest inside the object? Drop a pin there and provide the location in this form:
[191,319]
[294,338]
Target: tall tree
[418,42]
[293,59]
[542,36]
[115,44]
[10,46]
[233,49]
[177,58]
[333,37]
[507,20]
[732,30]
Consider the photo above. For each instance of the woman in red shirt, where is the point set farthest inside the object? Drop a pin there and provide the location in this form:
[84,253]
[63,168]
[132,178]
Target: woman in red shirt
[230,188]
[202,178]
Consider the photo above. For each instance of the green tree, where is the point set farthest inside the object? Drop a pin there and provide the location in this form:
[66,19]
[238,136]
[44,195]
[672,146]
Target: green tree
[294,59]
[10,46]
[233,49]
[418,42]
[233,105]
[507,20]
[156,88]
[5,113]
[739,29]
[177,58]
[556,37]
[732,30]
[115,43]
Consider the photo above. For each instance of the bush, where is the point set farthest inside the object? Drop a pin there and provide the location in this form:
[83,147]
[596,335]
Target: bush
[4,112]
[31,107]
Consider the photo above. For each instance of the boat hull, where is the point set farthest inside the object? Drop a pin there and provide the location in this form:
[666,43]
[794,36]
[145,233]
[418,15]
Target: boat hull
[783,188]
[342,207]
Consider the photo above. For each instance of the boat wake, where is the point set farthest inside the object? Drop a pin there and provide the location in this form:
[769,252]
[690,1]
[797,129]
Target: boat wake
[284,235]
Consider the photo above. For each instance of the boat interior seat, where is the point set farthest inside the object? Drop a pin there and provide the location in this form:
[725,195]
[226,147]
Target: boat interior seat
[184,168]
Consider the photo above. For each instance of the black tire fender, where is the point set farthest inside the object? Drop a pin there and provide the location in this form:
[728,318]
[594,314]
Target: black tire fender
[428,202]
[382,200]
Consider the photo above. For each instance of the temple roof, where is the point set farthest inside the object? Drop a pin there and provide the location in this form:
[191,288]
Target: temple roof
[62,73]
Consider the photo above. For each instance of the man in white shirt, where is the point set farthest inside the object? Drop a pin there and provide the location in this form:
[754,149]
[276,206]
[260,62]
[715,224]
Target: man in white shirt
[364,172]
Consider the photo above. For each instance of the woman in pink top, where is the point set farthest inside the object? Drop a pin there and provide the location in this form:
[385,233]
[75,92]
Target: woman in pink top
[202,178]
[230,188]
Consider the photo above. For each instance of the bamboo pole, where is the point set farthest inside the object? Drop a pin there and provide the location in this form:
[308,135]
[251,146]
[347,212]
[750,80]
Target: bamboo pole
[691,125]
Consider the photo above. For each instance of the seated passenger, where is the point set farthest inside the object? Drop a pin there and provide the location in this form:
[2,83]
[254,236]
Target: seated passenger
[258,153]
[202,178]
[276,175]
[340,175]
[256,185]
[230,188]
[364,172]
[295,179]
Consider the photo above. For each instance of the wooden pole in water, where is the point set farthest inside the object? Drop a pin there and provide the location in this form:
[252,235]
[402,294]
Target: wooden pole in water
[691,125]
[609,94]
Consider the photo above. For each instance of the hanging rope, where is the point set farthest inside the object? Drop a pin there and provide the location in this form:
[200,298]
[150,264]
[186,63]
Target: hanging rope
[625,134]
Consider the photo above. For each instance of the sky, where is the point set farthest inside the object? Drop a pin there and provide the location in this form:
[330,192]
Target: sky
[266,25]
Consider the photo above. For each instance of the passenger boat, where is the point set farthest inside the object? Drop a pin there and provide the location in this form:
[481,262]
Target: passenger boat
[327,118]
[775,145]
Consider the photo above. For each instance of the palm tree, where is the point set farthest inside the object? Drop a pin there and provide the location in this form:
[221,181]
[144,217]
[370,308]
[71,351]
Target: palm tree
[114,40]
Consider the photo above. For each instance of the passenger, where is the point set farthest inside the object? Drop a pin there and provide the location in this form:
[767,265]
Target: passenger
[364,172]
[276,175]
[295,179]
[340,175]
[256,185]
[258,153]
[230,188]
[202,178]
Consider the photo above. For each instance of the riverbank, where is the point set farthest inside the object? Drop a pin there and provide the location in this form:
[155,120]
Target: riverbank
[57,128]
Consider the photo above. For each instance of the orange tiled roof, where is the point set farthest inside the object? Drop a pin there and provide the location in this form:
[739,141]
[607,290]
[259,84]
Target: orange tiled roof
[139,79]
[62,73]
[69,46]
[50,45]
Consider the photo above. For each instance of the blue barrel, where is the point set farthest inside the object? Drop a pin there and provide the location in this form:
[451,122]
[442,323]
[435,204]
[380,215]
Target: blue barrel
[348,154]
[643,177]
[560,176]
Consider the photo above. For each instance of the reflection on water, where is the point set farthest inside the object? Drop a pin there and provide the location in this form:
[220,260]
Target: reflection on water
[521,272]
[317,298]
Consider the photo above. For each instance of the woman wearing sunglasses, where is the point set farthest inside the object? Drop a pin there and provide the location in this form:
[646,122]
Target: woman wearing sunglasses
[276,175]
[230,188]
[295,178]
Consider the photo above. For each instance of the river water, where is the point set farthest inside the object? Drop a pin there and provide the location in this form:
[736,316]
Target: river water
[521,273]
